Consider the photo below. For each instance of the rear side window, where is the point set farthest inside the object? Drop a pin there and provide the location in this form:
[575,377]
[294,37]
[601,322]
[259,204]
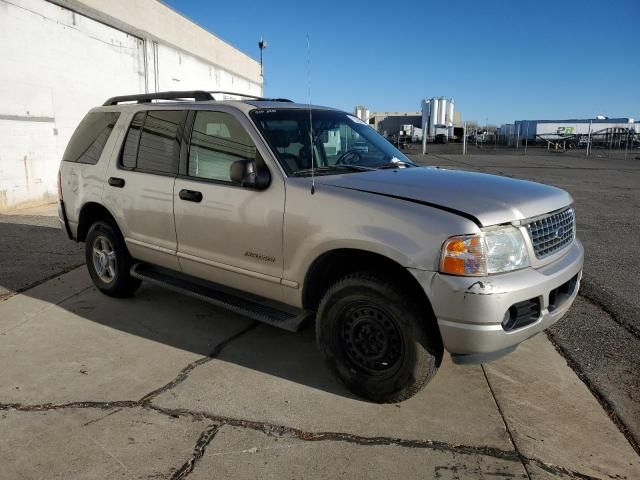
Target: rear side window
[130,151]
[89,139]
[153,141]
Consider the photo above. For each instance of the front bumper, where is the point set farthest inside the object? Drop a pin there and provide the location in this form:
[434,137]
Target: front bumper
[470,310]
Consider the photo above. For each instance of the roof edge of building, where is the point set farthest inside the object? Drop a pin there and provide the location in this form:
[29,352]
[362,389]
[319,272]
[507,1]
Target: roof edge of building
[198,41]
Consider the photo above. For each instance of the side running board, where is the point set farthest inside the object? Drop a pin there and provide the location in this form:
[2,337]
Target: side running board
[252,306]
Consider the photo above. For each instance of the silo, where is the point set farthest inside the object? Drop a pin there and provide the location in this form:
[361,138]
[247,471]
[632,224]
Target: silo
[433,113]
[450,112]
[442,108]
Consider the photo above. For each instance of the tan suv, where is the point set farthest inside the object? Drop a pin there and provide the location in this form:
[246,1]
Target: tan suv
[286,212]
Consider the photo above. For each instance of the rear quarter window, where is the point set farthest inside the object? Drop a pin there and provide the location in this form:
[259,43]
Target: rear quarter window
[89,139]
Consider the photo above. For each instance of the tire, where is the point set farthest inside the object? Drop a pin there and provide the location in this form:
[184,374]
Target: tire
[376,339]
[109,271]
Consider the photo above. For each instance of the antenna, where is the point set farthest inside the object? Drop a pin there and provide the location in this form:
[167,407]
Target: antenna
[313,178]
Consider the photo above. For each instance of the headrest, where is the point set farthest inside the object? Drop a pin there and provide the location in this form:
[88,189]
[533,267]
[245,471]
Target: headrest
[280,138]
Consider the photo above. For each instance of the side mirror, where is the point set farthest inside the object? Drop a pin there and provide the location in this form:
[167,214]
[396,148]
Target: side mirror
[246,174]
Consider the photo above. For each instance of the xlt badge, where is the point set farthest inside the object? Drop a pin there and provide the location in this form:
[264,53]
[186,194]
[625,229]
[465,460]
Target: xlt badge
[259,256]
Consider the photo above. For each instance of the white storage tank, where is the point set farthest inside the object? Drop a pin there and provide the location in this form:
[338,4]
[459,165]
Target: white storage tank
[450,112]
[433,115]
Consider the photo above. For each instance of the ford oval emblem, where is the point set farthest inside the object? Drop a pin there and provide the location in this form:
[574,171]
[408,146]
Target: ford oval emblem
[560,232]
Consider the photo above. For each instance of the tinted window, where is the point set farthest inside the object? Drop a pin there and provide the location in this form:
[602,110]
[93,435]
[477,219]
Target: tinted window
[90,137]
[153,141]
[130,151]
[218,140]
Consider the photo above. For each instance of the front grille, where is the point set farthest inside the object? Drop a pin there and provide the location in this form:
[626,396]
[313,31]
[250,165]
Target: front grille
[553,232]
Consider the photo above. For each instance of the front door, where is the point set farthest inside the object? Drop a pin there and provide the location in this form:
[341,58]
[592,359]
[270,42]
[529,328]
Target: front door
[226,233]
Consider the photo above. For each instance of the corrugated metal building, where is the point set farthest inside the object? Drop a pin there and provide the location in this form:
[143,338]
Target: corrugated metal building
[61,58]
[553,129]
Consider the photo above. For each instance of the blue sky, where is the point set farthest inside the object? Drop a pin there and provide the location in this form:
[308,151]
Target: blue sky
[499,60]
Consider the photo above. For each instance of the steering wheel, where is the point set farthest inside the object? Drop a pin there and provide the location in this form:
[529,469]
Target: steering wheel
[349,157]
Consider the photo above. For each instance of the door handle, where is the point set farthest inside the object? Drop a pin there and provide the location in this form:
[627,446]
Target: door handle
[190,196]
[116,182]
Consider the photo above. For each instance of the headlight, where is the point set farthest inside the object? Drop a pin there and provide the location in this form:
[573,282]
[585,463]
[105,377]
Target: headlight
[491,251]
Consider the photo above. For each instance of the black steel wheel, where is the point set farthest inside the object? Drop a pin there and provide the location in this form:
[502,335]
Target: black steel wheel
[378,341]
[371,339]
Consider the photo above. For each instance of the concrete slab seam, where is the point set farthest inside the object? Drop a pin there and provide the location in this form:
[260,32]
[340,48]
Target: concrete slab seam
[51,305]
[204,440]
[506,426]
[7,296]
[281,430]
[184,373]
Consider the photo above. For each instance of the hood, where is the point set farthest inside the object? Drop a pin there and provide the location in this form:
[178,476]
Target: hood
[485,199]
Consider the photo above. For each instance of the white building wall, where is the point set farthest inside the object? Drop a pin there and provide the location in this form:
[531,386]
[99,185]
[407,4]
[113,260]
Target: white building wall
[56,64]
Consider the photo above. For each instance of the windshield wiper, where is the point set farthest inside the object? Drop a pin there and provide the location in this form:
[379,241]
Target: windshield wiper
[331,168]
[396,164]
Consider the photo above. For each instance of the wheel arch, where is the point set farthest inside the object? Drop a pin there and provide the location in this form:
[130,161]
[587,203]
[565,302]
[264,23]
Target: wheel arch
[90,213]
[334,264]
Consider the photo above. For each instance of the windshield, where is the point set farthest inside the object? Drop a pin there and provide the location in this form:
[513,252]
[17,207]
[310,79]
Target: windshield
[341,142]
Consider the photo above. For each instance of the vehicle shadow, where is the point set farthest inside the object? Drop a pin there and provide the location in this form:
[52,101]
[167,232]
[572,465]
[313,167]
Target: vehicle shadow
[193,325]
[173,320]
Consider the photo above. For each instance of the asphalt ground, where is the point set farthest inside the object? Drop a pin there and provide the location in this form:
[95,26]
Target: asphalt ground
[600,337]
[33,249]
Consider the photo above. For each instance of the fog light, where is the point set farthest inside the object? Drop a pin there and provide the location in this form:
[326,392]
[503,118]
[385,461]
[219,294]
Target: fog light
[509,317]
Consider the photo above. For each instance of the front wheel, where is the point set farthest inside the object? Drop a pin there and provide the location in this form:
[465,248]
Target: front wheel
[376,339]
[108,261]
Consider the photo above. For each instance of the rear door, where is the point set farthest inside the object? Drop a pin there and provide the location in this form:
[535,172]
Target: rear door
[139,190]
[227,233]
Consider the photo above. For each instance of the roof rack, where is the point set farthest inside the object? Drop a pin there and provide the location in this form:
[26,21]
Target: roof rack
[197,95]
[255,97]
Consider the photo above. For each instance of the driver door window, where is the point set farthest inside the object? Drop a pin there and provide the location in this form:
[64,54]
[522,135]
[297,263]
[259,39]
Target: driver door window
[218,140]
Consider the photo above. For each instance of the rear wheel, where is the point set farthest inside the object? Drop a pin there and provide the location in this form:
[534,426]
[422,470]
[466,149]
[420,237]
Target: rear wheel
[108,261]
[376,339]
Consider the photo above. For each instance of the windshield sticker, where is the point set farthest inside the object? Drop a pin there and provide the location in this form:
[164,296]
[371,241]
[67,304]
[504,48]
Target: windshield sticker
[356,120]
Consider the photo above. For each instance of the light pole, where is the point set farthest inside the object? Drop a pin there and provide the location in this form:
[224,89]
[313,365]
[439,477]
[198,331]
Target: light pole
[262,44]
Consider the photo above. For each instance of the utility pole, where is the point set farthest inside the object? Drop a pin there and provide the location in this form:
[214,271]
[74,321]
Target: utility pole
[464,139]
[589,140]
[262,44]
[424,137]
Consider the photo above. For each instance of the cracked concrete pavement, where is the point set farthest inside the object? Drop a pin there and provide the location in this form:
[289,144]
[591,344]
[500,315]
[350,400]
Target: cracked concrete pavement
[163,386]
